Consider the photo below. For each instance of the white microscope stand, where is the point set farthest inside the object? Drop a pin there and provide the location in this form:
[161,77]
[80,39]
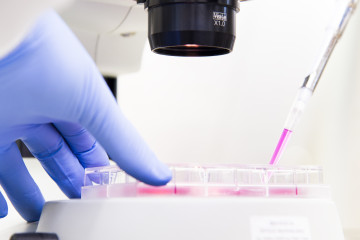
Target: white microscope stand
[179,218]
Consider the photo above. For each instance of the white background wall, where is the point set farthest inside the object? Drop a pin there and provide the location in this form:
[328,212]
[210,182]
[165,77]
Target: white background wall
[232,108]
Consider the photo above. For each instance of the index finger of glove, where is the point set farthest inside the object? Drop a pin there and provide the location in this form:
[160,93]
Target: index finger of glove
[103,118]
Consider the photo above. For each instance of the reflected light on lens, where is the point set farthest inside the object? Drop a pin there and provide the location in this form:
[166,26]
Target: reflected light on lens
[191,45]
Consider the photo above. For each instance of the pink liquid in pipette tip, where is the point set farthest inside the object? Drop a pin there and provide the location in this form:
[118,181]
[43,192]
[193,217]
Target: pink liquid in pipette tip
[280,146]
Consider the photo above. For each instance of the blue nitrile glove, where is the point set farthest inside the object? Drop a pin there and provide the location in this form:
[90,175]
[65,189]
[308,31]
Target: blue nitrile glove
[50,92]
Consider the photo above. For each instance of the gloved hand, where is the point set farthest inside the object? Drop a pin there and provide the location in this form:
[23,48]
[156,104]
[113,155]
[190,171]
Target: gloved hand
[54,99]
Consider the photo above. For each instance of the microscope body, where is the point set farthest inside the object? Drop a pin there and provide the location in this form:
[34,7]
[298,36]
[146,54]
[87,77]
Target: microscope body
[113,32]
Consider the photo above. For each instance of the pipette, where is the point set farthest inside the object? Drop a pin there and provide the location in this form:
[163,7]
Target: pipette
[344,9]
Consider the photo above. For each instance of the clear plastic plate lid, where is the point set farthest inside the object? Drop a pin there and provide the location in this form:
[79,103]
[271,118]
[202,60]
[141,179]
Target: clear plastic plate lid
[210,181]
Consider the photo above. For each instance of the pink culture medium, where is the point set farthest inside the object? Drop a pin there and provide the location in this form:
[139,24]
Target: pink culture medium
[284,138]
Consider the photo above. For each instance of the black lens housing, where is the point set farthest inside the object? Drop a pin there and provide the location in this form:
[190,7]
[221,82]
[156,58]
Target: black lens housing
[191,27]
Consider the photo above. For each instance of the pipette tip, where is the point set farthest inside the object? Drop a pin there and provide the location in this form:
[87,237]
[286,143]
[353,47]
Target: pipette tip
[284,138]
